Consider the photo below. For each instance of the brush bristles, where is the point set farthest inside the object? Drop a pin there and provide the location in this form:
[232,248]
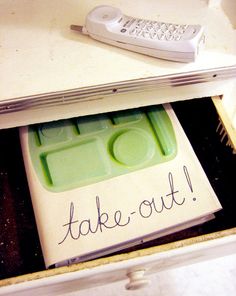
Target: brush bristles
[224,136]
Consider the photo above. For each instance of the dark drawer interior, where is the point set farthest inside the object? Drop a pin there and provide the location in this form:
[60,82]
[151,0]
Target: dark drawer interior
[20,251]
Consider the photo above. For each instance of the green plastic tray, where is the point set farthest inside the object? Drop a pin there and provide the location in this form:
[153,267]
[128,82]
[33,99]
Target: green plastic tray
[72,153]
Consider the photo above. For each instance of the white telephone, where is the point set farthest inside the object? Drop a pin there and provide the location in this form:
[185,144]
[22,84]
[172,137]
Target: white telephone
[162,40]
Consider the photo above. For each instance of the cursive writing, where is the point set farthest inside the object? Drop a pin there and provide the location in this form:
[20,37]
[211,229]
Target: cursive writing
[74,228]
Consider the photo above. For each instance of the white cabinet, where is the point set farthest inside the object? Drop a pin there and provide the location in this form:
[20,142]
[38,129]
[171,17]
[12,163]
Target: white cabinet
[48,73]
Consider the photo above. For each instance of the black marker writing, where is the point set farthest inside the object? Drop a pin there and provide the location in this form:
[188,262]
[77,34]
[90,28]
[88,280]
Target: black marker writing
[76,228]
[103,221]
[167,202]
[187,176]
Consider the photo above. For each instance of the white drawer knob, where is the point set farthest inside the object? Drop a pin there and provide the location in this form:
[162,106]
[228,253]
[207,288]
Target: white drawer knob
[137,280]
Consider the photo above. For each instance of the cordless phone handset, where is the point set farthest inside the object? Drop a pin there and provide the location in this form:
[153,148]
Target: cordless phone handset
[162,40]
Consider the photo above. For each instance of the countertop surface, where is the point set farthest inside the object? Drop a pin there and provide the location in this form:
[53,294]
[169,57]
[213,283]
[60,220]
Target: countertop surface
[40,54]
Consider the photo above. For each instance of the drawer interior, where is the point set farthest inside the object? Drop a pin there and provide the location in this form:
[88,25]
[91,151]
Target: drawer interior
[20,251]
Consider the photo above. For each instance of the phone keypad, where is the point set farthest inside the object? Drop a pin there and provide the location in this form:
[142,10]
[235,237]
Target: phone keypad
[157,30]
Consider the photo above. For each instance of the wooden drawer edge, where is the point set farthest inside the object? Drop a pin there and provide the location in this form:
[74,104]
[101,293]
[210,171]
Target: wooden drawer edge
[118,258]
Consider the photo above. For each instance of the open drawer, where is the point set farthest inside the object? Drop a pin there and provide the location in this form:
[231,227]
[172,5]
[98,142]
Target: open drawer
[20,248]
[57,75]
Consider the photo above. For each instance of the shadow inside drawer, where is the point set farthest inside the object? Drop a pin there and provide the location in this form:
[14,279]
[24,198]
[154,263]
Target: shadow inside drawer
[20,250]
